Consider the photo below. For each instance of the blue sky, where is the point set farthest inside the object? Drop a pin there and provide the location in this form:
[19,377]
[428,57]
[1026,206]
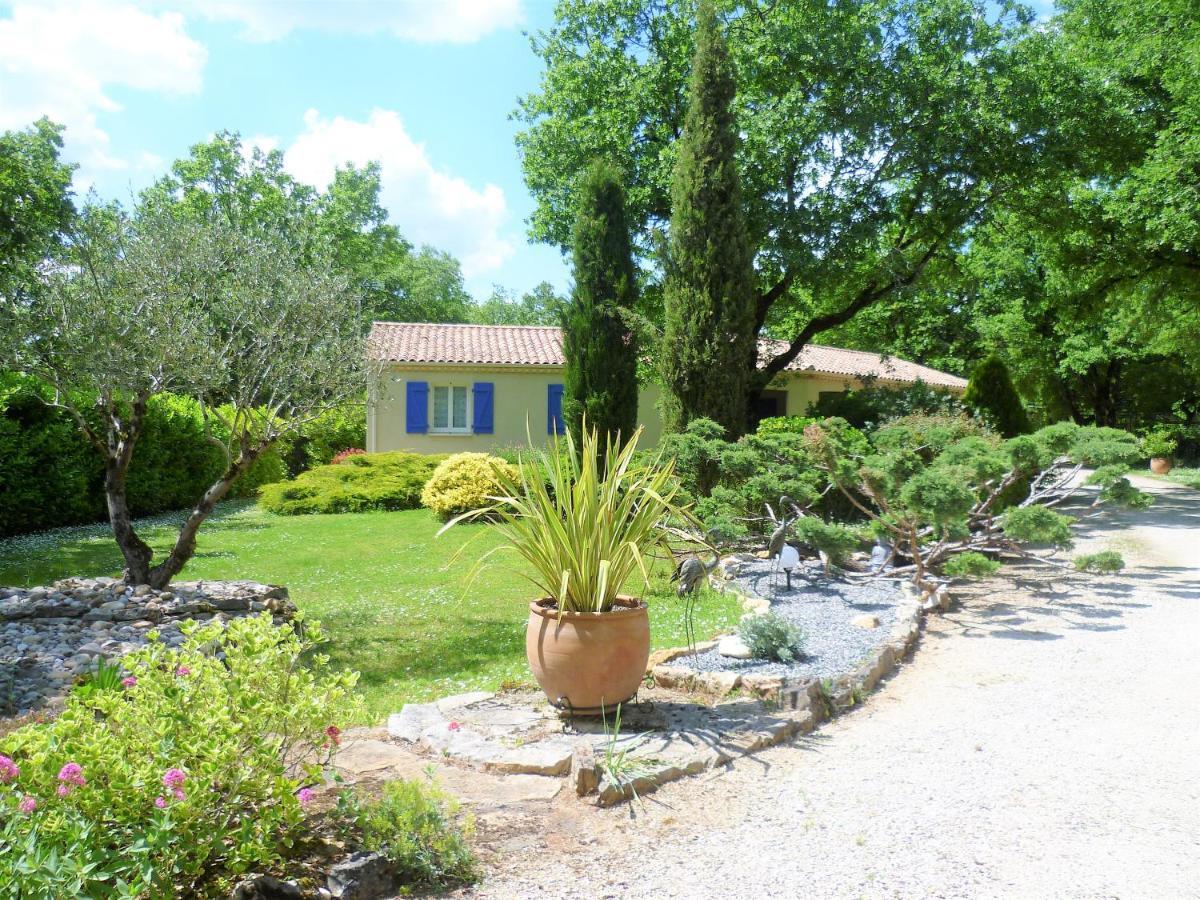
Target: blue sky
[425,86]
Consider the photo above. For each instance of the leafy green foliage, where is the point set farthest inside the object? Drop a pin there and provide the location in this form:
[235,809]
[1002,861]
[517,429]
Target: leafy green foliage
[1158,443]
[334,430]
[1106,562]
[35,199]
[53,477]
[732,480]
[1037,525]
[857,174]
[600,381]
[990,394]
[587,520]
[190,771]
[416,827]
[835,540]
[709,335]
[970,565]
[772,637]
[540,306]
[466,481]
[871,406]
[254,191]
[361,482]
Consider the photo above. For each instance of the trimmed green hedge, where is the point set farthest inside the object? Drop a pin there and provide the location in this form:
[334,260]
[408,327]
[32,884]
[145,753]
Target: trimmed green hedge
[50,476]
[361,482]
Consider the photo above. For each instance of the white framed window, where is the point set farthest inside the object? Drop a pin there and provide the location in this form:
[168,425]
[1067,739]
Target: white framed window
[451,409]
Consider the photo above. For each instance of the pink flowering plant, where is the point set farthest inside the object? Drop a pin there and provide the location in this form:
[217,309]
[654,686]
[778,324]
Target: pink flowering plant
[152,789]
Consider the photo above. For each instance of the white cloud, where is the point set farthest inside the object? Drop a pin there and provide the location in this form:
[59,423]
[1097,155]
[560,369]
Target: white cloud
[429,205]
[427,21]
[62,59]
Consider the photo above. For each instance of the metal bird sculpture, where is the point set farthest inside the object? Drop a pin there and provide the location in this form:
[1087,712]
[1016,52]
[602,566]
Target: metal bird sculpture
[689,574]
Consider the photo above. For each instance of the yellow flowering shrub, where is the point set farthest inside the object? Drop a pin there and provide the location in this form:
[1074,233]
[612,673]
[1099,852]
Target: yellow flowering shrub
[465,481]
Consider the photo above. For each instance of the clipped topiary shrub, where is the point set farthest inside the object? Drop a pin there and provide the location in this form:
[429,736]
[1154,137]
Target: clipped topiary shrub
[464,482]
[990,395]
[360,482]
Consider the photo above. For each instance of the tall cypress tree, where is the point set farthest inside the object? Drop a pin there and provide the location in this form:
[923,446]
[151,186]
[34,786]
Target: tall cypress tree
[601,375]
[990,394]
[708,350]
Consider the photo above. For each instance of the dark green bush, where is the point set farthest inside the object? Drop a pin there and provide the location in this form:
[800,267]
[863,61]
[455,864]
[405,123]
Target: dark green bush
[327,435]
[361,482]
[991,396]
[51,476]
[871,406]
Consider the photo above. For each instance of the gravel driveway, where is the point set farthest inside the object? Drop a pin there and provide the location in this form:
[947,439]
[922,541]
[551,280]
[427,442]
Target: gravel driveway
[1044,742]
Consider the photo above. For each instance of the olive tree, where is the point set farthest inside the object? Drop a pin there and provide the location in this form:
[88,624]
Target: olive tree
[265,335]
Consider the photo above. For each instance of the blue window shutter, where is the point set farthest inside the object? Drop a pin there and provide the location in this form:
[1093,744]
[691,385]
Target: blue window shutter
[416,407]
[484,391]
[554,414]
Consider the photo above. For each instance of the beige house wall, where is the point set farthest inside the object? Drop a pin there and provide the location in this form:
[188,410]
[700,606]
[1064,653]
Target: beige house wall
[520,396]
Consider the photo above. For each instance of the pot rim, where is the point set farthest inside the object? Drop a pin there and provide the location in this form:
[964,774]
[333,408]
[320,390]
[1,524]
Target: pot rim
[629,606]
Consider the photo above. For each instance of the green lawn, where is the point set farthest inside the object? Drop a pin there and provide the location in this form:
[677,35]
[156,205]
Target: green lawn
[395,604]
[1190,477]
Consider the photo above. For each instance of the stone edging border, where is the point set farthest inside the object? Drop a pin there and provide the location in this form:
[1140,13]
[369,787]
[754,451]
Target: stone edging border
[803,704]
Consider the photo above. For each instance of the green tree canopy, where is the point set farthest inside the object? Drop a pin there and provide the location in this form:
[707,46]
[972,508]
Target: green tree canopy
[540,306]
[251,189]
[35,199]
[873,134]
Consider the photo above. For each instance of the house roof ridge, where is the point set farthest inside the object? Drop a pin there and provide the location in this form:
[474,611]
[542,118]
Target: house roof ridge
[466,343]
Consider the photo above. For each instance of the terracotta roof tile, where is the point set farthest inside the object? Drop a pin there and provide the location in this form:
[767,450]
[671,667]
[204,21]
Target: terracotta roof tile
[528,345]
[495,345]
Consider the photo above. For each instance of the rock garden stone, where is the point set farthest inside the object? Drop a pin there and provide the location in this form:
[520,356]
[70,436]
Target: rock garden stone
[734,647]
[51,635]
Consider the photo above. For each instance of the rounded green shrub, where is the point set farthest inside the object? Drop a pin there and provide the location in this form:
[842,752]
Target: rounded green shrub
[970,565]
[465,481]
[772,637]
[361,482]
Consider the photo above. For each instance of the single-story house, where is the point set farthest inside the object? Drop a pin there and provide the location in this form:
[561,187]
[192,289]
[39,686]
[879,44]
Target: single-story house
[449,388]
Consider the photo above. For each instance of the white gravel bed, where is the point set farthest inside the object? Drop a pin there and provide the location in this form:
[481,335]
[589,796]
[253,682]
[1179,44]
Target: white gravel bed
[824,608]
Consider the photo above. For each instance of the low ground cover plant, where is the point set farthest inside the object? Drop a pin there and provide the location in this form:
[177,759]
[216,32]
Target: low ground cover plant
[1106,562]
[417,828]
[194,768]
[359,482]
[772,637]
[465,481]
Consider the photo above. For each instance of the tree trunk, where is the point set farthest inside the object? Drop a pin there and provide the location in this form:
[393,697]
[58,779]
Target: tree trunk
[137,552]
[185,543]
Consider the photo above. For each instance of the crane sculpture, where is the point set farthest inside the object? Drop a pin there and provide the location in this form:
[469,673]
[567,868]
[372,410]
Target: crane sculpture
[778,538]
[691,572]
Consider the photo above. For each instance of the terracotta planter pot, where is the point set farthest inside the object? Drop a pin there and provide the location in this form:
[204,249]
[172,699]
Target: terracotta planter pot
[1161,465]
[585,661]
